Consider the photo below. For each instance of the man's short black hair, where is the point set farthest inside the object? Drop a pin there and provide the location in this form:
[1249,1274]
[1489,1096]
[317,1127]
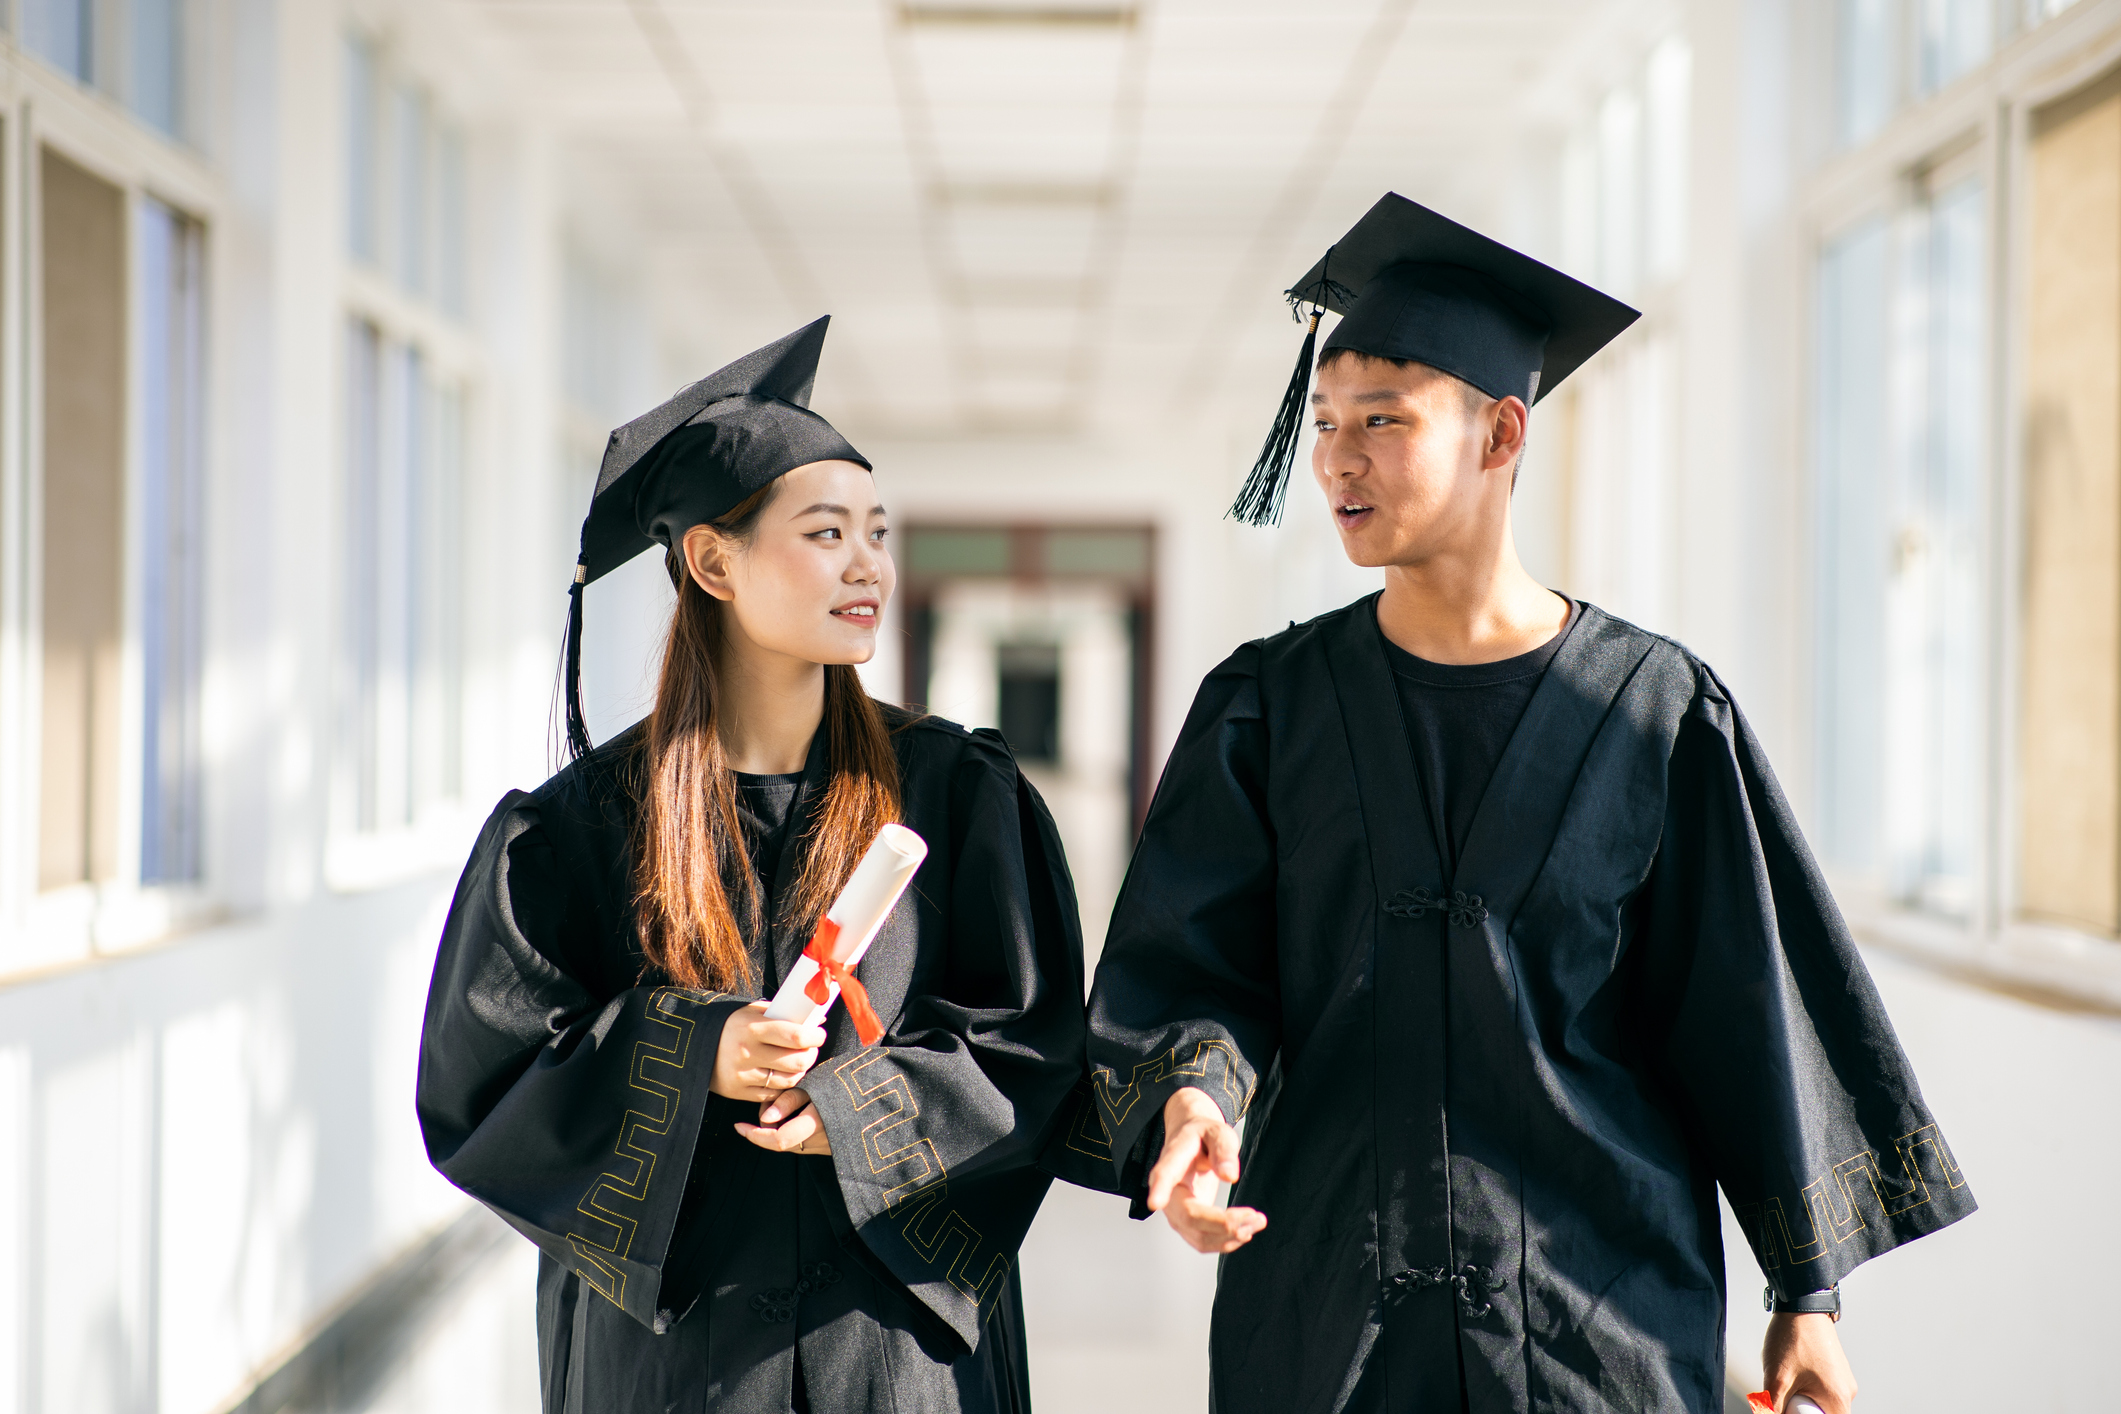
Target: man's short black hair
[1475,400]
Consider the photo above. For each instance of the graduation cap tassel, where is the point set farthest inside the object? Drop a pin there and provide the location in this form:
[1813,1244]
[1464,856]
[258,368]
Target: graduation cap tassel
[1259,500]
[577,724]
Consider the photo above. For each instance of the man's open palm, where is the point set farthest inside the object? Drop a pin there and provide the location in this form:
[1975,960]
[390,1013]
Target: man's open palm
[1200,1151]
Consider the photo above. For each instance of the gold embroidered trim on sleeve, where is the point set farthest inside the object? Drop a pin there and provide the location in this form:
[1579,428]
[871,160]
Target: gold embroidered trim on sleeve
[1832,1206]
[614,1200]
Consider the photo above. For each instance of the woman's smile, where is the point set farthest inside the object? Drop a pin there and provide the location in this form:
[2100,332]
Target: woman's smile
[859,611]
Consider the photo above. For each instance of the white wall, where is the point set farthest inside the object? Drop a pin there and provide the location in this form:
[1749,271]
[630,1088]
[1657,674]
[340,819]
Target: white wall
[207,1143]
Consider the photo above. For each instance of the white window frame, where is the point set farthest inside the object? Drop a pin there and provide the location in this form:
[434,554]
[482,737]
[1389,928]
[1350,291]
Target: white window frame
[41,107]
[1982,119]
[357,858]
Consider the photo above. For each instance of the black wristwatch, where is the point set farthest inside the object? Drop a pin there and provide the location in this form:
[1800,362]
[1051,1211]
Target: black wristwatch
[1812,1303]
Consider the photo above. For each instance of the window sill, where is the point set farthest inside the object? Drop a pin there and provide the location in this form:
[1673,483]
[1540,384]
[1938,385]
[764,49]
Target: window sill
[2055,967]
[357,863]
[80,924]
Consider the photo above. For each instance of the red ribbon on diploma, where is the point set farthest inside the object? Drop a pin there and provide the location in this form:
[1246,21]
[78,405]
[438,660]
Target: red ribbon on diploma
[852,992]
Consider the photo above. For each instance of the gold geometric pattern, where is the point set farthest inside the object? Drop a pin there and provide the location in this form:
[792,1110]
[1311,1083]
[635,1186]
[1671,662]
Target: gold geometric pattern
[1832,1207]
[919,1200]
[1118,1102]
[614,1200]
[1087,1133]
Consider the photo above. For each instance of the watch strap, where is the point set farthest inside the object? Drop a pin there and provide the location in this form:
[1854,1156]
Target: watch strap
[1811,1303]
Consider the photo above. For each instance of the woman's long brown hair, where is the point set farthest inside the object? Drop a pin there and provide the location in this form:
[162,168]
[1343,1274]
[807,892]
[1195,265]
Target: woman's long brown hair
[689,846]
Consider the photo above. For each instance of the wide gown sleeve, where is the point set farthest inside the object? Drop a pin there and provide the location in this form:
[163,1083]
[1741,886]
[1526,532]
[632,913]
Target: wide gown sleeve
[1792,1083]
[574,1116]
[1186,991]
[936,1130]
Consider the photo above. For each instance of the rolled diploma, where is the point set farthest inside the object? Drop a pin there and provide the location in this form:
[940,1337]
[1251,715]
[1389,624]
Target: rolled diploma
[860,911]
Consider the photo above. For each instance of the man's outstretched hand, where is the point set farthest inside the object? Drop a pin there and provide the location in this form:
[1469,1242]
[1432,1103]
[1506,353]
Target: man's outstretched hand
[1200,1151]
[1802,1355]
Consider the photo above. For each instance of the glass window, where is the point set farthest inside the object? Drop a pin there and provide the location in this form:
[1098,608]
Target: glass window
[1865,38]
[362,176]
[83,337]
[449,219]
[1955,36]
[2068,590]
[1933,603]
[1029,700]
[62,33]
[170,367]
[363,625]
[156,63]
[437,649]
[1849,501]
[409,161]
[1901,427]
[401,693]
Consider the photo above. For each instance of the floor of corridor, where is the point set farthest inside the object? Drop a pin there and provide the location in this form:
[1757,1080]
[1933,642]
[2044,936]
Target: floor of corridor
[1118,1314]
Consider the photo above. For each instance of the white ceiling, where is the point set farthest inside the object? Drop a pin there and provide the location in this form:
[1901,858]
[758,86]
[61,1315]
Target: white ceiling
[1039,215]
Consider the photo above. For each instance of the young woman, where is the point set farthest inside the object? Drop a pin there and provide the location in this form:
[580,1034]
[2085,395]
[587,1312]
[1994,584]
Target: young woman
[736,1213]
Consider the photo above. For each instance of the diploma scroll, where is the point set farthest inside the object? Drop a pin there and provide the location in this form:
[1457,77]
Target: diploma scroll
[824,971]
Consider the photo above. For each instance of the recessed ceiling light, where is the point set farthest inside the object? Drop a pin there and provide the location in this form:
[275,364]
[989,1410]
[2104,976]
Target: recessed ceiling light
[1025,193]
[1070,16]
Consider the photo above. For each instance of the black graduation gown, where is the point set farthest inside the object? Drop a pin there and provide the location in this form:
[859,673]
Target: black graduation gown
[683,1266]
[1487,1113]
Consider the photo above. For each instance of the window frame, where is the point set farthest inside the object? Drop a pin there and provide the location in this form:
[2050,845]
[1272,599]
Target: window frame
[370,289]
[41,107]
[1980,121]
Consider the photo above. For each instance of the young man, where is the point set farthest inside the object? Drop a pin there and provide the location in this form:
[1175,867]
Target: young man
[1483,910]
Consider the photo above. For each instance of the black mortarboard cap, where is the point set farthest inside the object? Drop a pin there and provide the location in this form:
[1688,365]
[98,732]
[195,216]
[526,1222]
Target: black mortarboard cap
[695,459]
[1411,284]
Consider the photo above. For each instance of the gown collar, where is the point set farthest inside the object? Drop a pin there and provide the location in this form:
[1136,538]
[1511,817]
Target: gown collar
[1520,810]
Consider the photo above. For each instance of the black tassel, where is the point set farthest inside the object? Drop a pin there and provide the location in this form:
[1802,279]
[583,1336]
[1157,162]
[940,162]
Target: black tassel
[1259,501]
[577,724]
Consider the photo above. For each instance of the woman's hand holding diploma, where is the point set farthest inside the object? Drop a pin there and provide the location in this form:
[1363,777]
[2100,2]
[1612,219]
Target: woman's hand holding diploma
[1200,1150]
[760,1059]
[770,1047]
[766,1061]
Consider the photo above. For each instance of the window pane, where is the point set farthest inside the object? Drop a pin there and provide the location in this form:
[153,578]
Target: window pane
[1956,35]
[362,630]
[170,365]
[401,468]
[156,63]
[438,648]
[1933,613]
[83,335]
[410,169]
[449,220]
[1866,73]
[1850,461]
[60,32]
[2069,682]
[361,155]
[1028,700]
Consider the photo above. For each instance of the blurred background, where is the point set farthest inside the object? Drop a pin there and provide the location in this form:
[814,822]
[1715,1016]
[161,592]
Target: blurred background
[314,317]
